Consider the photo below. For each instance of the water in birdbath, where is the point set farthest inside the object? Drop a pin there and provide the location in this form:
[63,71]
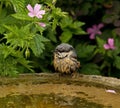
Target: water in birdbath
[50,91]
[46,101]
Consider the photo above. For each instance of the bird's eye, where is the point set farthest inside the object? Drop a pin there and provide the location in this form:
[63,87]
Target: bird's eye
[71,48]
[59,55]
[62,55]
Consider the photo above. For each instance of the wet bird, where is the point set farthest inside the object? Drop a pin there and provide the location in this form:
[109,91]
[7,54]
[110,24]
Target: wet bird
[65,59]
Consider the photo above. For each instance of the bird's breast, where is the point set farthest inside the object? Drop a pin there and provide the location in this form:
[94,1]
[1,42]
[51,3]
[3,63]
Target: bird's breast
[66,65]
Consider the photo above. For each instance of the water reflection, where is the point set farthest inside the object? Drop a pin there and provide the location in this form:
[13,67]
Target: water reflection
[46,101]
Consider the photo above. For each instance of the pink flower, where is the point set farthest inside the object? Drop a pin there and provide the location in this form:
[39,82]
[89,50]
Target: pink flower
[95,29]
[110,44]
[111,91]
[42,24]
[35,11]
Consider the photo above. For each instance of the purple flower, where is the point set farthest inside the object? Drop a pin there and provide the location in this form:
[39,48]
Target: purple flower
[41,24]
[95,29]
[110,44]
[35,11]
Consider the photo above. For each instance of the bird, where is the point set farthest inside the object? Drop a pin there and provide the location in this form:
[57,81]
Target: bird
[65,59]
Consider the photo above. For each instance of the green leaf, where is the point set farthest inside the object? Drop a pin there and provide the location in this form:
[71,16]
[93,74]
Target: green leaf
[78,24]
[6,50]
[66,22]
[78,31]
[18,37]
[76,28]
[100,43]
[17,54]
[22,16]
[117,62]
[57,13]
[51,35]
[9,60]
[54,24]
[117,45]
[73,26]
[85,51]
[19,5]
[25,63]
[5,19]
[39,29]
[66,36]
[37,45]
[8,67]
[90,69]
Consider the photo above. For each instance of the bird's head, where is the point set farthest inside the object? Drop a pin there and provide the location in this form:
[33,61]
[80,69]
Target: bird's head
[65,50]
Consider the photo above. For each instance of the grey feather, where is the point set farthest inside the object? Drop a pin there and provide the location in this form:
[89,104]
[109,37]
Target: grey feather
[64,47]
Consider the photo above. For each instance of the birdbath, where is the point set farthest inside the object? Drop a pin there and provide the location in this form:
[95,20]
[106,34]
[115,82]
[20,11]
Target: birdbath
[49,90]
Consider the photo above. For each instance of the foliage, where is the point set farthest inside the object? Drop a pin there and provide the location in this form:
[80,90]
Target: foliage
[97,53]
[27,40]
[10,60]
[91,26]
